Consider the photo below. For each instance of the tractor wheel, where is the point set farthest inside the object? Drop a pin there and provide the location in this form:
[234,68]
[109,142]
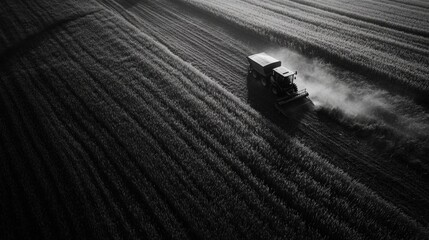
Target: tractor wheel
[275,91]
[264,81]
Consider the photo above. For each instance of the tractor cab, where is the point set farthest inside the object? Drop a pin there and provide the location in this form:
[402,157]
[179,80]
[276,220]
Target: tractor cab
[283,77]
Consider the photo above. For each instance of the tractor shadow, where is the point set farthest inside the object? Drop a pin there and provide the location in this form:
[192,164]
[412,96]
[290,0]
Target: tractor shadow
[288,117]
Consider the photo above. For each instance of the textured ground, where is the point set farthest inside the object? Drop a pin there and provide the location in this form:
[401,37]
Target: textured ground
[107,134]
[219,50]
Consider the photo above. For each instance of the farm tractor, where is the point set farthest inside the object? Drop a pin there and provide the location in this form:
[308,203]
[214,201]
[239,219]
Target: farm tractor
[279,79]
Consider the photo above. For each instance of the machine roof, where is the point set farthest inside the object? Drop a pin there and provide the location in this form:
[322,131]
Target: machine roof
[283,71]
[263,59]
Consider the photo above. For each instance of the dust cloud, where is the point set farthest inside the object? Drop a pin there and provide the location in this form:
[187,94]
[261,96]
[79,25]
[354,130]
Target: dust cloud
[347,92]
[352,100]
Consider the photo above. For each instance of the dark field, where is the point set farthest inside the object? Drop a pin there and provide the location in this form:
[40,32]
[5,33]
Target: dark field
[137,120]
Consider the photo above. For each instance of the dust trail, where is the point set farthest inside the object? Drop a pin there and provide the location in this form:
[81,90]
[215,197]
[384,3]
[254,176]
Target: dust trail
[353,101]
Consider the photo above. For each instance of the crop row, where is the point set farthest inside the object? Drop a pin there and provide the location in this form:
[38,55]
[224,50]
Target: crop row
[389,14]
[206,48]
[386,50]
[110,135]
